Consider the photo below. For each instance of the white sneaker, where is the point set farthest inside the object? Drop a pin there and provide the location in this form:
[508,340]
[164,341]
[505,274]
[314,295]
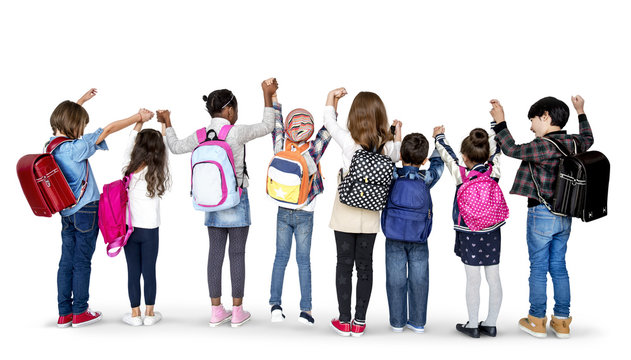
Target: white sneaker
[277,314]
[150,320]
[132,320]
[396,329]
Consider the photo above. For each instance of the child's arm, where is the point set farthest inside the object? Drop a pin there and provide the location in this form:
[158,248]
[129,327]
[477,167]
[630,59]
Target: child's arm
[244,133]
[435,171]
[447,154]
[319,144]
[585,136]
[395,151]
[143,115]
[87,96]
[278,134]
[339,134]
[175,145]
[495,152]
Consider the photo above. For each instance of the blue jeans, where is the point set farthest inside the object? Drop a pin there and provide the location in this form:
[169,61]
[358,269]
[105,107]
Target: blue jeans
[547,236]
[78,240]
[407,277]
[289,223]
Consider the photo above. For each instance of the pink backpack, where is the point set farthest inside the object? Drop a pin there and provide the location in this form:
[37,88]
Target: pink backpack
[114,216]
[480,200]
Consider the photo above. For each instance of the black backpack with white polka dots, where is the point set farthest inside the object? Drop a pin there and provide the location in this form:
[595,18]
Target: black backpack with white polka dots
[368,181]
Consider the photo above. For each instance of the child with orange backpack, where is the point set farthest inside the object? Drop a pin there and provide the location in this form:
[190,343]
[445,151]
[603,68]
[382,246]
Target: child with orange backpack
[294,180]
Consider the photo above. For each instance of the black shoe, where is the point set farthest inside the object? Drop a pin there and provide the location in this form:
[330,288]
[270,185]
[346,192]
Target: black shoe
[277,313]
[305,318]
[487,330]
[473,332]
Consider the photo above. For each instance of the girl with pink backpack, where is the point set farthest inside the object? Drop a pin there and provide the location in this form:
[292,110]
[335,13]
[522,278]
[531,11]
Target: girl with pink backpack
[479,211]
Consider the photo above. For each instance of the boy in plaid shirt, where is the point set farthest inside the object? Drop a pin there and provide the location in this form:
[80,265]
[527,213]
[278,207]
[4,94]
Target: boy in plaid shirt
[298,222]
[547,234]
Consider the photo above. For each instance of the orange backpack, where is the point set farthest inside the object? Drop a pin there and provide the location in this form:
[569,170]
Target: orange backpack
[288,180]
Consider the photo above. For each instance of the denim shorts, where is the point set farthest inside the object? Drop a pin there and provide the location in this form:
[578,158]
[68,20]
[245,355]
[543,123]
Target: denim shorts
[237,216]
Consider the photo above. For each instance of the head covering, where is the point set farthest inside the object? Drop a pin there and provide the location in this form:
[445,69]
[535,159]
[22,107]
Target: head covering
[299,125]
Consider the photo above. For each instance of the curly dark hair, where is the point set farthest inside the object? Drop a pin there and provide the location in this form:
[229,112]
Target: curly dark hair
[150,151]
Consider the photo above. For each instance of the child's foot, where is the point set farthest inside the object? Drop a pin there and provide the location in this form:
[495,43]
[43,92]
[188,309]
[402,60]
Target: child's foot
[132,320]
[561,327]
[306,318]
[534,326]
[277,313]
[473,332]
[416,329]
[219,316]
[150,320]
[487,330]
[341,328]
[357,328]
[86,318]
[64,321]
[239,316]
[396,329]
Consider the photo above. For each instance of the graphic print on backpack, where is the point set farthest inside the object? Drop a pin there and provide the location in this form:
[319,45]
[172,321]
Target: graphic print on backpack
[288,180]
[114,215]
[480,201]
[214,184]
[408,212]
[368,181]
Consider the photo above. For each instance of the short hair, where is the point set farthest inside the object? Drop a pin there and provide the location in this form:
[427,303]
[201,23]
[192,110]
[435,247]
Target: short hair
[414,149]
[217,100]
[559,112]
[476,146]
[69,118]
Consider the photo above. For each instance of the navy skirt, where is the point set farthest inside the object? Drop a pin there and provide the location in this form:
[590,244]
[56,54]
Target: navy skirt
[478,248]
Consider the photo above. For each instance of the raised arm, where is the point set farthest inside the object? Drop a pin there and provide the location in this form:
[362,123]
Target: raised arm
[87,96]
[447,154]
[176,145]
[339,134]
[585,131]
[143,115]
[278,134]
[435,171]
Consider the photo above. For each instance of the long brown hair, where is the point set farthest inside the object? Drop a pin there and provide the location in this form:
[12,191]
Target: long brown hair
[149,150]
[368,121]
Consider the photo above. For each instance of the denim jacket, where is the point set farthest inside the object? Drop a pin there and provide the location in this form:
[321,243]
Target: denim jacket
[431,175]
[71,158]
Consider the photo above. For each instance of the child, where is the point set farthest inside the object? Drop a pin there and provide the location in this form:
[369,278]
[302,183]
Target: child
[547,237]
[298,222]
[475,248]
[407,267]
[79,223]
[356,229]
[233,222]
[147,156]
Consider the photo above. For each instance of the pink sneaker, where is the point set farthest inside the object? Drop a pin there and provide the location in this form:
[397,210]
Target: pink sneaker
[219,316]
[64,321]
[86,318]
[239,316]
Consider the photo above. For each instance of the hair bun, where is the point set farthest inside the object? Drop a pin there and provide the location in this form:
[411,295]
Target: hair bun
[205,98]
[479,136]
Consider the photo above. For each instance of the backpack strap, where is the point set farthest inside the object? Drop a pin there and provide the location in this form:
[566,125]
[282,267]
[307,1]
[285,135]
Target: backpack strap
[201,135]
[223,133]
[463,174]
[562,148]
[51,146]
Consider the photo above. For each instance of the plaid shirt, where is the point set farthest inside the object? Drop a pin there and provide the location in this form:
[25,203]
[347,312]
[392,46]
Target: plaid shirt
[544,157]
[316,148]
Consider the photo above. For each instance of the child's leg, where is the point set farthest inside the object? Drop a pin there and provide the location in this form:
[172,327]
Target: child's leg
[539,231]
[284,234]
[149,251]
[558,270]
[86,223]
[304,229]
[492,274]
[217,238]
[345,243]
[134,270]
[418,283]
[473,294]
[236,252]
[397,282]
[64,274]
[363,262]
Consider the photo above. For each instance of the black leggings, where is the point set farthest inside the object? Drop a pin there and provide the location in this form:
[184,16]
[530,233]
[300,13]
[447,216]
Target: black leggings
[353,249]
[141,253]
[236,251]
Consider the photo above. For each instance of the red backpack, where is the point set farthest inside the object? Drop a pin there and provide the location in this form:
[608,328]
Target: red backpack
[114,215]
[43,183]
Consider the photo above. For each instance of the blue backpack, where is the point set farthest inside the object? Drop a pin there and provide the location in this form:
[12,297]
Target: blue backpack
[408,212]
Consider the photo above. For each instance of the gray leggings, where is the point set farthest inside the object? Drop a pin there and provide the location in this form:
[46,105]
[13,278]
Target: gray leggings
[236,251]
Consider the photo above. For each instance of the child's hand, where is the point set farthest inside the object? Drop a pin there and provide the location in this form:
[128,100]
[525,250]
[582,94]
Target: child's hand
[145,115]
[338,93]
[87,96]
[269,87]
[397,129]
[438,130]
[578,103]
[497,112]
[163,116]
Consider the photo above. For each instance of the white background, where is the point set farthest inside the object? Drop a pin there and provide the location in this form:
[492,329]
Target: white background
[432,63]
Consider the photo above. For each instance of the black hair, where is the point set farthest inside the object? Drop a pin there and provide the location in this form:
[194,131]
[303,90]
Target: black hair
[559,112]
[476,146]
[218,100]
[414,149]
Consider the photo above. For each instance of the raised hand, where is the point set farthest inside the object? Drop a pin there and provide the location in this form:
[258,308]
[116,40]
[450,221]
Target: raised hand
[163,115]
[578,103]
[87,96]
[145,115]
[438,130]
[497,112]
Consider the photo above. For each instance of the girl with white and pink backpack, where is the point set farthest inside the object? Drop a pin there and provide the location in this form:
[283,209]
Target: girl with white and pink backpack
[479,211]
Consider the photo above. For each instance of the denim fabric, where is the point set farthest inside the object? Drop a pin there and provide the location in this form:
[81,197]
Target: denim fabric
[547,235]
[238,216]
[78,240]
[71,158]
[141,254]
[407,279]
[289,223]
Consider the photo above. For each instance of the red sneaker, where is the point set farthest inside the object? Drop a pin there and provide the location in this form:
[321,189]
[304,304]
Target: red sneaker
[342,328]
[86,318]
[357,330]
[64,321]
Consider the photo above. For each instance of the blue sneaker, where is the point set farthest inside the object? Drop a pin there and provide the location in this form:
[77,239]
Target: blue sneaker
[416,329]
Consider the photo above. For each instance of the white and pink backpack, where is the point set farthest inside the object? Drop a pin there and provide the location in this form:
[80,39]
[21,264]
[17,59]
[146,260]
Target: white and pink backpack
[214,185]
[480,200]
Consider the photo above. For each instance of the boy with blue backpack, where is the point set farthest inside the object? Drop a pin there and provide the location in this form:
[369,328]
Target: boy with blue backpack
[407,222]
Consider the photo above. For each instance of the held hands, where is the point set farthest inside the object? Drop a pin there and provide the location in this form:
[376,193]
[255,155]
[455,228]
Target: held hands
[270,82]
[269,87]
[163,116]
[497,112]
[145,115]
[578,103]
[397,129]
[87,96]
[438,130]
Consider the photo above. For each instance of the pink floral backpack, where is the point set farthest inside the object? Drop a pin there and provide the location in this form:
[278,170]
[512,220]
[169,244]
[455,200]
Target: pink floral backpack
[480,200]
[114,215]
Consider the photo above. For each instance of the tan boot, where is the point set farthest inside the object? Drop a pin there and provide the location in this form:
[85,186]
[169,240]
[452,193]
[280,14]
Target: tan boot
[534,326]
[561,327]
